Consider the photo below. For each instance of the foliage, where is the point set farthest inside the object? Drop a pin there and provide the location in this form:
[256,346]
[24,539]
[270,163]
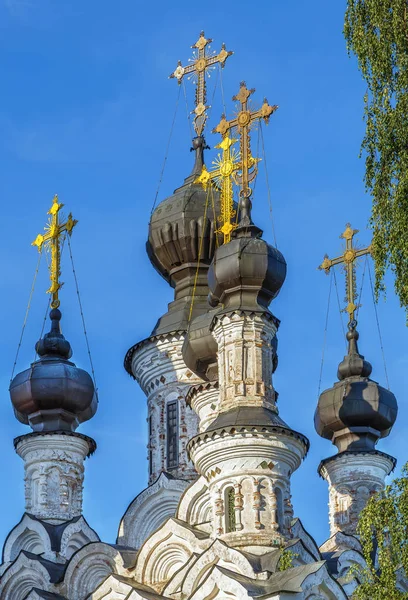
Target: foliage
[286,560]
[383,531]
[377,33]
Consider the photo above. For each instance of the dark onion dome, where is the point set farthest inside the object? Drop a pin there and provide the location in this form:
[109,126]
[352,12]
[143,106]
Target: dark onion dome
[53,394]
[180,227]
[247,273]
[200,348]
[356,411]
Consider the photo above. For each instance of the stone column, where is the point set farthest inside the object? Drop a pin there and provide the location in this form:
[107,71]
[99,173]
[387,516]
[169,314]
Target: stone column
[247,454]
[54,473]
[352,478]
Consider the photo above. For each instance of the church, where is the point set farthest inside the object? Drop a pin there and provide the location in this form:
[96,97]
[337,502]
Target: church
[216,521]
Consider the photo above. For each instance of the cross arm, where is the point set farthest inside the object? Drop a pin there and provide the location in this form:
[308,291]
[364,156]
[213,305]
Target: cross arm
[328,263]
[363,251]
[221,57]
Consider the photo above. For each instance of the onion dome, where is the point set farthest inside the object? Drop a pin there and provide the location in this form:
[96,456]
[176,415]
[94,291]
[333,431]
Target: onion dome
[356,411]
[182,242]
[53,394]
[247,273]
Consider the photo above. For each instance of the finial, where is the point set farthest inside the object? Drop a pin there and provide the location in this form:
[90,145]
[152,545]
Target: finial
[348,259]
[198,146]
[202,61]
[51,240]
[54,343]
[353,364]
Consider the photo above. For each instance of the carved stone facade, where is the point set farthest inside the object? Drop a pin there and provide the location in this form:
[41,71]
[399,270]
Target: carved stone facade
[54,473]
[158,367]
[352,479]
[245,359]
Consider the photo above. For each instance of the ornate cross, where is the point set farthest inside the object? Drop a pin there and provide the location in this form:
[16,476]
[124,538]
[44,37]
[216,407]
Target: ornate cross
[198,67]
[225,168]
[243,122]
[52,240]
[348,259]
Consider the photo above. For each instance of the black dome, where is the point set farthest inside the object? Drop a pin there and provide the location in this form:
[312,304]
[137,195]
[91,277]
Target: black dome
[53,394]
[356,411]
[247,272]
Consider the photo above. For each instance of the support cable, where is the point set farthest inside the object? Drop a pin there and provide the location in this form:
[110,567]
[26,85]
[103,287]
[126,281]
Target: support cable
[188,113]
[338,304]
[378,327]
[222,91]
[166,152]
[26,315]
[268,189]
[82,317]
[199,257]
[214,216]
[46,310]
[325,334]
[361,288]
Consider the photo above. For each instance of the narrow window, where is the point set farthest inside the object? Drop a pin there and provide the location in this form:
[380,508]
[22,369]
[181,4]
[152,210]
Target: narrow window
[172,435]
[150,446]
[279,507]
[230,524]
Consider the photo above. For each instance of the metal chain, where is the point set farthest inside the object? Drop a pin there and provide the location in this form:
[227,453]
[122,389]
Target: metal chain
[338,304]
[361,288]
[26,315]
[82,317]
[267,185]
[166,152]
[222,91]
[187,111]
[378,327]
[325,333]
[199,256]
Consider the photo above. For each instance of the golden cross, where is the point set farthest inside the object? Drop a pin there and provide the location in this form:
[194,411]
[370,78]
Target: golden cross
[198,67]
[225,168]
[348,259]
[243,122]
[52,239]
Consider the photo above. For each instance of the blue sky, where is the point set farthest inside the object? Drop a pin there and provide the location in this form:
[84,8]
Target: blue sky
[85,111]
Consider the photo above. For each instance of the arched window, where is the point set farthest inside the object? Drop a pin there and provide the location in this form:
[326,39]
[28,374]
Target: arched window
[279,507]
[230,523]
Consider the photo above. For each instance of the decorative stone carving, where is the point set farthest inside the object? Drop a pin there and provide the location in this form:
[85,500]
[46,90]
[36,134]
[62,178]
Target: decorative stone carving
[158,367]
[352,478]
[54,473]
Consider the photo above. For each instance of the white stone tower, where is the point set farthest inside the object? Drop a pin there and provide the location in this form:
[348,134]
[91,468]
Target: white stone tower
[181,244]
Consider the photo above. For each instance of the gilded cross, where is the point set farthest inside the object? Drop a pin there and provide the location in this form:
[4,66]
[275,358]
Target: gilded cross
[243,121]
[201,62]
[54,232]
[225,167]
[348,259]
